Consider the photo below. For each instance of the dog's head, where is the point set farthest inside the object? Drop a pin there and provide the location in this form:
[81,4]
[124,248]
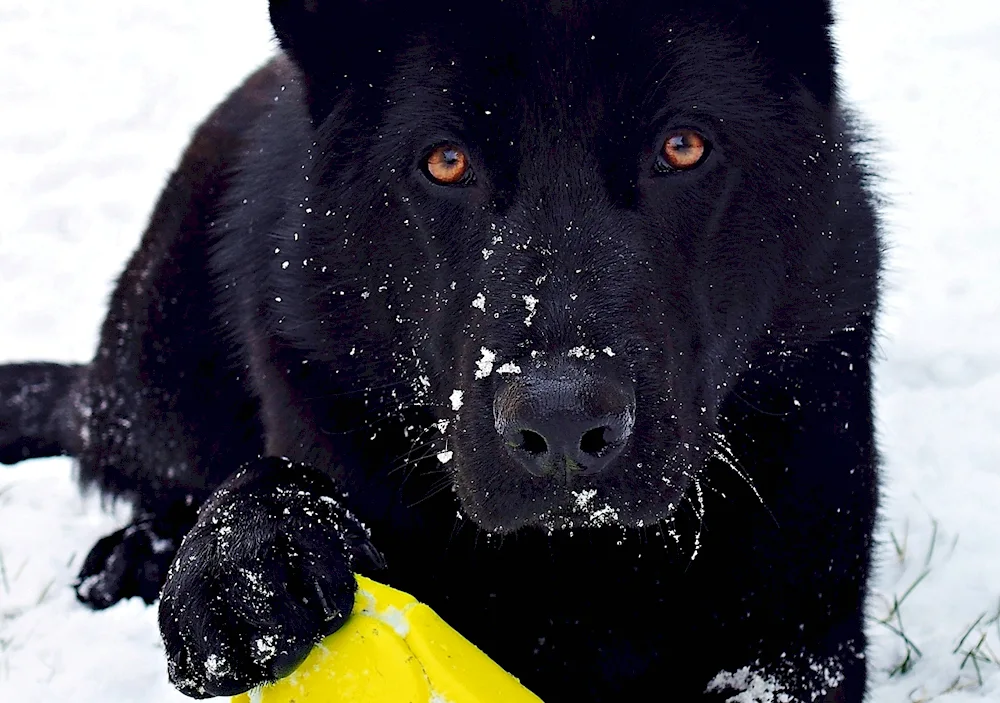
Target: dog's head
[569,229]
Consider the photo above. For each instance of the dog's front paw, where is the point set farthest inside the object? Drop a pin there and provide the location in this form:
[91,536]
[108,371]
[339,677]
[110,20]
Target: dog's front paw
[265,573]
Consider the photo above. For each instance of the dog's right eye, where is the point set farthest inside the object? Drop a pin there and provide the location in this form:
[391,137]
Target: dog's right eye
[448,165]
[683,150]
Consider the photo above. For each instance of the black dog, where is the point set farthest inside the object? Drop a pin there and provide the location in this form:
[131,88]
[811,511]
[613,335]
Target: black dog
[560,316]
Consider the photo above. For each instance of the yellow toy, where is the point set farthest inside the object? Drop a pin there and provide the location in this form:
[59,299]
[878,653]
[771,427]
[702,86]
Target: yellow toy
[393,649]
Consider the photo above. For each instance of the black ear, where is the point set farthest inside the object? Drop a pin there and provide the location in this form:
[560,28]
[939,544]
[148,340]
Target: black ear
[327,39]
[301,26]
[796,35]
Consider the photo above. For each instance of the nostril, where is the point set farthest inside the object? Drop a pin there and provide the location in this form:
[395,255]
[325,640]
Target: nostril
[533,443]
[593,444]
[564,421]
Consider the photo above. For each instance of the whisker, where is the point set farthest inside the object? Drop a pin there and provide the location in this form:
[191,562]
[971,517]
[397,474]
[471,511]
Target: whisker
[700,513]
[434,490]
[722,451]
[417,446]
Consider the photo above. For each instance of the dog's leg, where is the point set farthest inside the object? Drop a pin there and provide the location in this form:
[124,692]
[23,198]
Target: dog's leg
[39,412]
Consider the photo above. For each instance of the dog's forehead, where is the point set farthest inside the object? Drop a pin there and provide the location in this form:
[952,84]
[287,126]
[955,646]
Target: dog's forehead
[584,67]
[563,37]
[562,44]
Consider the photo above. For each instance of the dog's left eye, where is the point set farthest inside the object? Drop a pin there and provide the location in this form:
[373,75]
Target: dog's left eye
[683,150]
[448,165]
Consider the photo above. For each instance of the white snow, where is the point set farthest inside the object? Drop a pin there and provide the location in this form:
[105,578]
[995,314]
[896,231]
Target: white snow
[925,74]
[582,352]
[752,687]
[98,101]
[531,305]
[484,365]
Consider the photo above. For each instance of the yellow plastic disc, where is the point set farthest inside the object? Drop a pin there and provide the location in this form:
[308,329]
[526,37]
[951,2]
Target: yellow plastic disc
[394,649]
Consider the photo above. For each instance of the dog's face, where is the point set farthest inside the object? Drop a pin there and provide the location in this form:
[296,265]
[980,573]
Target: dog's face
[547,225]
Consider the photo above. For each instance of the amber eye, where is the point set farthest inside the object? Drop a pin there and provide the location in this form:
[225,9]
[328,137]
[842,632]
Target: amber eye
[683,149]
[448,165]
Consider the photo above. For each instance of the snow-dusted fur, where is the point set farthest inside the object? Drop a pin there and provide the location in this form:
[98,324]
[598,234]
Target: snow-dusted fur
[306,291]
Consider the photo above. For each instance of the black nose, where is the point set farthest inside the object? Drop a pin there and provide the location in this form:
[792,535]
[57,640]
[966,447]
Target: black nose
[566,423]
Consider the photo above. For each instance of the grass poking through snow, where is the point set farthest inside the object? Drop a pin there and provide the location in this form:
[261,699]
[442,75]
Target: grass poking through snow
[975,651]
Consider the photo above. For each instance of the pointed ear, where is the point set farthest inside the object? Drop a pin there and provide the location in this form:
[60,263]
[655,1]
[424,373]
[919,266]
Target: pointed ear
[311,30]
[297,23]
[796,34]
[326,39]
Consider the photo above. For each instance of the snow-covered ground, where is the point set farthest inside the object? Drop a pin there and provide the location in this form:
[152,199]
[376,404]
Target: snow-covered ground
[98,99]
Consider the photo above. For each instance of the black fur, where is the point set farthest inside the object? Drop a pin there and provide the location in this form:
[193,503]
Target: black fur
[37,413]
[305,291]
